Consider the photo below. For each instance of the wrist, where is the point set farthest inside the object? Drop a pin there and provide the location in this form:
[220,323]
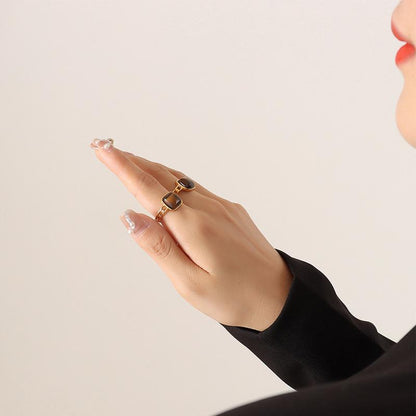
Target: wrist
[269,303]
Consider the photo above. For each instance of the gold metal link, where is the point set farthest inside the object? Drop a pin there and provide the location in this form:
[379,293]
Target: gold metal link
[162,211]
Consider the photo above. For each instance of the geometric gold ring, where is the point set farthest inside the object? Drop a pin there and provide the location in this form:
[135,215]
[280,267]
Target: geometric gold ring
[171,201]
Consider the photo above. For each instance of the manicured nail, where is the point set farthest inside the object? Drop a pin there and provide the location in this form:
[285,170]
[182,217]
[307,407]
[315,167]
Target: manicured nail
[102,143]
[136,226]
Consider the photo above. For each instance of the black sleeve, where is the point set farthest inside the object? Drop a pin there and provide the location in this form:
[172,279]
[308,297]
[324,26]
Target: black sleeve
[315,339]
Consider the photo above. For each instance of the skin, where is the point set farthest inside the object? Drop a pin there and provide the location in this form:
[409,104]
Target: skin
[213,253]
[210,249]
[404,18]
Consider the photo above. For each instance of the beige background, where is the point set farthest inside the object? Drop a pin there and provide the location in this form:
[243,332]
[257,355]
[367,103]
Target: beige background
[287,107]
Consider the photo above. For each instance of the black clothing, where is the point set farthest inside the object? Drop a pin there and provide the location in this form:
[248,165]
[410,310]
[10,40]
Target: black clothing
[338,364]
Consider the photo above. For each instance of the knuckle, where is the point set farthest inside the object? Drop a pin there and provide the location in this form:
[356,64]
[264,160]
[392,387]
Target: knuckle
[144,181]
[185,289]
[228,204]
[157,169]
[204,225]
[178,173]
[218,206]
[191,288]
[228,207]
[239,207]
[182,289]
[161,247]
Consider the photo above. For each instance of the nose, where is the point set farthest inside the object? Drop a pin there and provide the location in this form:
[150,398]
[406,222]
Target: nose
[396,33]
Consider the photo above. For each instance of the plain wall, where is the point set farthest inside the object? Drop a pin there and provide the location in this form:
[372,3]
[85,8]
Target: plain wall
[287,107]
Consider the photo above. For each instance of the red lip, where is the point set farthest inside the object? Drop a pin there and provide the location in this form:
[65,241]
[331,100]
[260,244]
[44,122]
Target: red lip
[397,34]
[406,51]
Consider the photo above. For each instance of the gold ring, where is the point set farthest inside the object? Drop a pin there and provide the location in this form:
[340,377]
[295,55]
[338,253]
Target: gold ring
[172,201]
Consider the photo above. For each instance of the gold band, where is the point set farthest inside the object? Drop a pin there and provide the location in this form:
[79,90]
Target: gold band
[171,201]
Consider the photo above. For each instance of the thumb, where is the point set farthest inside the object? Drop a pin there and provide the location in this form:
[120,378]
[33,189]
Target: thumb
[160,245]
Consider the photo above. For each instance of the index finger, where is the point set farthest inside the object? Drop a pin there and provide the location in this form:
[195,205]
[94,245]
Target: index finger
[144,187]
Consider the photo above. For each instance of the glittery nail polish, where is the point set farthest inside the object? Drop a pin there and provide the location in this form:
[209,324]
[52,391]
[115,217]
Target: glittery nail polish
[102,143]
[136,226]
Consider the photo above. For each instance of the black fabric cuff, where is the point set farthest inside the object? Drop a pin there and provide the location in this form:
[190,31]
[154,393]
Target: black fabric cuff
[315,338]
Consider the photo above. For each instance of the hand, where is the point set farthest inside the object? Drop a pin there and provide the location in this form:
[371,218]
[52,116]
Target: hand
[213,253]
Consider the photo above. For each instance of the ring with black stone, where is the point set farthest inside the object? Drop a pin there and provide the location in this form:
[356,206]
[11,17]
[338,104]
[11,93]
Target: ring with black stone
[171,201]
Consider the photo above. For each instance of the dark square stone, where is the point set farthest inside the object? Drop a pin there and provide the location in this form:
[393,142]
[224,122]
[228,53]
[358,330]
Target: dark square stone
[172,200]
[186,183]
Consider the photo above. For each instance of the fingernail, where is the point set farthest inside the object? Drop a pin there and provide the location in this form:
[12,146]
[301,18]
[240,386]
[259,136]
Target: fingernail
[136,226]
[102,143]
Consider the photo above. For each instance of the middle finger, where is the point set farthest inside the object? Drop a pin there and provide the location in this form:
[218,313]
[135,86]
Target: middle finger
[144,187]
[167,176]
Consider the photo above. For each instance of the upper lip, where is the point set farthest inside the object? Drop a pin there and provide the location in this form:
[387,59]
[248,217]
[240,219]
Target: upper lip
[398,34]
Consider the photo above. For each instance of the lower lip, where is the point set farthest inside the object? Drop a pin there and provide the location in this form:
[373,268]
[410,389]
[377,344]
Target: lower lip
[404,53]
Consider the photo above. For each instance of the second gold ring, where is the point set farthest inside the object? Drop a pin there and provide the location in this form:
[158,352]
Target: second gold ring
[171,201]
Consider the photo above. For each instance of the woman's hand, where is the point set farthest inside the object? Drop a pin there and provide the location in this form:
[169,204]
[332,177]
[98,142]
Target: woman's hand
[213,253]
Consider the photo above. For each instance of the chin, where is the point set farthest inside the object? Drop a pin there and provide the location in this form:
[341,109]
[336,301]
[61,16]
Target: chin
[406,114]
